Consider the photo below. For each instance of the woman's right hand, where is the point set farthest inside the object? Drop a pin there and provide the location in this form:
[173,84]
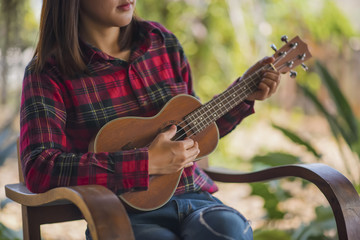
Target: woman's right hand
[167,156]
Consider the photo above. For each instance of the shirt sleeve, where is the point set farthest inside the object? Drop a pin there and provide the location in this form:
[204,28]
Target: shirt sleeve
[234,117]
[44,146]
[230,120]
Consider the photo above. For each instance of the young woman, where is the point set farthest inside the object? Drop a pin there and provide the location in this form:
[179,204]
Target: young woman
[96,62]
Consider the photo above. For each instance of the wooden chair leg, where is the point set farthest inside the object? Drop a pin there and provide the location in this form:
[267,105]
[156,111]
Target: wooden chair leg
[31,227]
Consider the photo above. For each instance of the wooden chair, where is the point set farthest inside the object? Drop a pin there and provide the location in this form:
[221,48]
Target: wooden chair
[104,213]
[107,218]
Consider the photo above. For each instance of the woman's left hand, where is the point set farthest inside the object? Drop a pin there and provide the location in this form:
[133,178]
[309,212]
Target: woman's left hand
[269,82]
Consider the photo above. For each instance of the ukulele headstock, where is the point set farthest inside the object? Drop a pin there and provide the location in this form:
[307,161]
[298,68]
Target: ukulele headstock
[292,54]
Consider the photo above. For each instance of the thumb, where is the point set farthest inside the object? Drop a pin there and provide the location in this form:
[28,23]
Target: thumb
[170,133]
[258,65]
[266,60]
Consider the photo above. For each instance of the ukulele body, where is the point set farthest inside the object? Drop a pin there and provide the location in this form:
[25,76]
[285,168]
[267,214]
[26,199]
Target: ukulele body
[137,132]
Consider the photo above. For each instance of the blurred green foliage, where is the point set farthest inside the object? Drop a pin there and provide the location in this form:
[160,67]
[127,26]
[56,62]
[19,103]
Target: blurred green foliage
[18,31]
[223,38]
[18,24]
[9,234]
[274,194]
[344,125]
[7,147]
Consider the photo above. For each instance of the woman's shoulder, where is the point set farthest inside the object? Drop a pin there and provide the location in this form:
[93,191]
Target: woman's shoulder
[158,31]
[50,64]
[156,27]
[48,74]
[153,25]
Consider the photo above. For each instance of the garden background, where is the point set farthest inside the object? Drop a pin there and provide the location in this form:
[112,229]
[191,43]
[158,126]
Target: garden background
[313,118]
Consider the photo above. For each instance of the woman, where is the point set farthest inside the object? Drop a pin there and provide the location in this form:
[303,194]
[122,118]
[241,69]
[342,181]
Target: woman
[95,62]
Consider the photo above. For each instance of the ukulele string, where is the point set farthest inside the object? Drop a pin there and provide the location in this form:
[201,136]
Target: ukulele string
[245,81]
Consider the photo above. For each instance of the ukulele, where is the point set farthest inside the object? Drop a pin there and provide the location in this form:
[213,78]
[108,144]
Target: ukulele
[193,120]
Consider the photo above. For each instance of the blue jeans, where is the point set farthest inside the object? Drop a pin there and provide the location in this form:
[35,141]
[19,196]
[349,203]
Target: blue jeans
[191,216]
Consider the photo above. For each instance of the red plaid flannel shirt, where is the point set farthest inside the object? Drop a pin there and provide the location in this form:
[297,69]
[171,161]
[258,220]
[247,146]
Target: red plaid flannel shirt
[60,115]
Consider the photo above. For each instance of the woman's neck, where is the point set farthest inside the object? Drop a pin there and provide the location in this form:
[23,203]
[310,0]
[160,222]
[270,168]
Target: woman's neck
[104,38]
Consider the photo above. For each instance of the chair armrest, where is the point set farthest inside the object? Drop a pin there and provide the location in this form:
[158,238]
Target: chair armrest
[341,194]
[101,208]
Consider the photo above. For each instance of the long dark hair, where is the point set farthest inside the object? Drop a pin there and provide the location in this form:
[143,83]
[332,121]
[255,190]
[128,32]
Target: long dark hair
[59,36]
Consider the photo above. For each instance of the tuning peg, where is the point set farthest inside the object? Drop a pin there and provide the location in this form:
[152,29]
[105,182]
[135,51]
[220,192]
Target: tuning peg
[294,45]
[284,39]
[304,67]
[290,63]
[282,53]
[302,56]
[273,47]
[293,74]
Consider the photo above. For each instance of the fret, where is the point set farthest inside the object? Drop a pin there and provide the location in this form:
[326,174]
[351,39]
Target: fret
[205,115]
[191,120]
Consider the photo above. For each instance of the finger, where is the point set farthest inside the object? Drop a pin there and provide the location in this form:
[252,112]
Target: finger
[271,75]
[271,84]
[267,60]
[263,62]
[189,164]
[188,143]
[263,92]
[193,152]
[273,78]
[259,64]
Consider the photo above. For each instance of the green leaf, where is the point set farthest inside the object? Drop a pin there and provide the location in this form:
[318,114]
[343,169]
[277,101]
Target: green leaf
[9,234]
[297,139]
[274,159]
[344,110]
[272,199]
[357,187]
[324,213]
[315,229]
[4,202]
[335,127]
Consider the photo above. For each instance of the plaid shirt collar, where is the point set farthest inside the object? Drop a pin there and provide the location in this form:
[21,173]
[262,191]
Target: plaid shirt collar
[145,43]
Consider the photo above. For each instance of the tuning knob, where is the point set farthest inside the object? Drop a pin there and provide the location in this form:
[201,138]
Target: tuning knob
[302,56]
[293,74]
[284,39]
[304,67]
[273,47]
[294,45]
[290,64]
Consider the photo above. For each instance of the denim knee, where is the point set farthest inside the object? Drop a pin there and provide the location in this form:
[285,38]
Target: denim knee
[217,222]
[147,232]
[153,232]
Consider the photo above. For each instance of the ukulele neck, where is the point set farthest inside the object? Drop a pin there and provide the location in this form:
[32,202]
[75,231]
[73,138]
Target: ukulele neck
[208,113]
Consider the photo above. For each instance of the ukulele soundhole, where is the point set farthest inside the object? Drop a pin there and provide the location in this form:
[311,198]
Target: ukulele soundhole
[180,134]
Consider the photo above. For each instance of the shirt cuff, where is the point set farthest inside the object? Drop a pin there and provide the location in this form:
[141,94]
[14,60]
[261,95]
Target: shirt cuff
[132,171]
